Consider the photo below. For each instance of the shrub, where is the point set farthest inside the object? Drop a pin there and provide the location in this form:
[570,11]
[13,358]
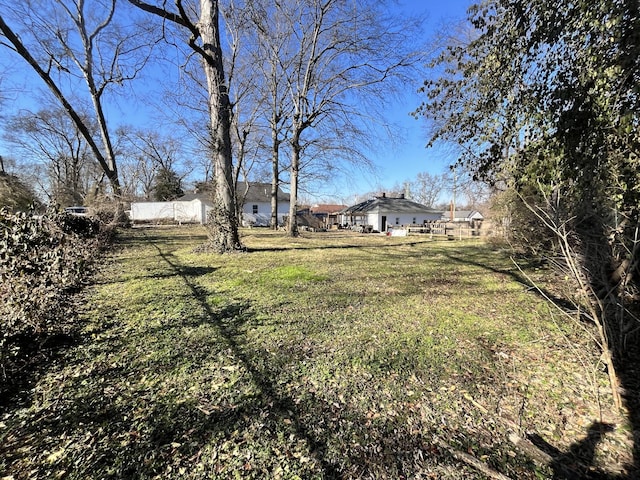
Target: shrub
[15,194]
[42,259]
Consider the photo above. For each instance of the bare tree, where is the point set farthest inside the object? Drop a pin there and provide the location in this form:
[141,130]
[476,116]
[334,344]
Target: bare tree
[474,193]
[202,26]
[50,140]
[327,54]
[145,153]
[247,103]
[188,103]
[67,41]
[427,188]
[273,57]
[137,176]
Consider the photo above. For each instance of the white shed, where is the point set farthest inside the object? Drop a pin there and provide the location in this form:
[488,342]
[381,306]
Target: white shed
[179,211]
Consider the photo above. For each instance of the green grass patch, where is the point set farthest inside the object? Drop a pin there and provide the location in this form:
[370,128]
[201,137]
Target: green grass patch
[288,276]
[331,355]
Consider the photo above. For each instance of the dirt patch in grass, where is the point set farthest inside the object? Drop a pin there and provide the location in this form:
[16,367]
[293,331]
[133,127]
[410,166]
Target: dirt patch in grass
[325,356]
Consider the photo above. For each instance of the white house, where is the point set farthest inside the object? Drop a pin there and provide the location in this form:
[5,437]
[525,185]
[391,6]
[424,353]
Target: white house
[195,207]
[256,203]
[469,216]
[382,212]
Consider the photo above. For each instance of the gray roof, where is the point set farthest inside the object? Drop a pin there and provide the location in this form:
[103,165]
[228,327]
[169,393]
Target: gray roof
[388,204]
[260,193]
[468,214]
[188,197]
[257,193]
[464,215]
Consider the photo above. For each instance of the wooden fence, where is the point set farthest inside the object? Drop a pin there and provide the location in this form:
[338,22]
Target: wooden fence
[451,230]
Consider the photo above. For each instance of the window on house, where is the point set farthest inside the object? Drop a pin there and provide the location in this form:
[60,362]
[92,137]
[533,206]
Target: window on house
[397,220]
[255,209]
[413,221]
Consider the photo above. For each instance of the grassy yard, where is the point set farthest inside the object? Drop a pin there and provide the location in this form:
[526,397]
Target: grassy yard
[332,355]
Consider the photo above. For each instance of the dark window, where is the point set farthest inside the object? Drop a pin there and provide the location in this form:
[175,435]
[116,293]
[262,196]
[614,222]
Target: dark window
[255,209]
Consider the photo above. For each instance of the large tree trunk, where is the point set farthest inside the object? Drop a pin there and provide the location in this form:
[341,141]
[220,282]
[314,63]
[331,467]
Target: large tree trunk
[293,203]
[275,180]
[223,230]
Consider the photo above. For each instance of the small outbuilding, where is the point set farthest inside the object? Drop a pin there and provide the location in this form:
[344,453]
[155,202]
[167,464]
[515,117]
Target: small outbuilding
[184,210]
[328,214]
[195,207]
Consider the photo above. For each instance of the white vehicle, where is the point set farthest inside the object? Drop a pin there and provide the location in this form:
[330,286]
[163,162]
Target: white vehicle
[79,211]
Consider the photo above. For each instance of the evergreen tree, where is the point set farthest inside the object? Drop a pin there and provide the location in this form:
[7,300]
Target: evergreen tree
[167,185]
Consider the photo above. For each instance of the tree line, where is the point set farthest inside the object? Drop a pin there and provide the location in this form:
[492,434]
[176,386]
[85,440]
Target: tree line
[296,82]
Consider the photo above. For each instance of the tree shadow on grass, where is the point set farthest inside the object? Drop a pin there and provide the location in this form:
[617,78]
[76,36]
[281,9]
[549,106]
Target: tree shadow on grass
[110,422]
[36,353]
[282,407]
[628,369]
[513,273]
[354,246]
[185,271]
[388,450]
[107,421]
[578,461]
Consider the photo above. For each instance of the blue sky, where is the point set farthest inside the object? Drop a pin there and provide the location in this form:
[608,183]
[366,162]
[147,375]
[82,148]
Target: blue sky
[407,156]
[395,161]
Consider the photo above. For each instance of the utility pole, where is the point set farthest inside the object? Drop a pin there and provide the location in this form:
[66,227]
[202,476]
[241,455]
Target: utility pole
[453,200]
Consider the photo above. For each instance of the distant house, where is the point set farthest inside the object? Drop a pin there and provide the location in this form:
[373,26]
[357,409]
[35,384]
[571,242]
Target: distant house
[256,203]
[472,217]
[382,212]
[195,207]
[328,214]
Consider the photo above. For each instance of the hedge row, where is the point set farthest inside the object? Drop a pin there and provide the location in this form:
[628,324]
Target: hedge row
[43,259]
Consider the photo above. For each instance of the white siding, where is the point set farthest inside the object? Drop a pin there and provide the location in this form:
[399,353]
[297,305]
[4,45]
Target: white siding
[183,212]
[264,208]
[263,216]
[375,220]
[188,212]
[146,211]
[402,219]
